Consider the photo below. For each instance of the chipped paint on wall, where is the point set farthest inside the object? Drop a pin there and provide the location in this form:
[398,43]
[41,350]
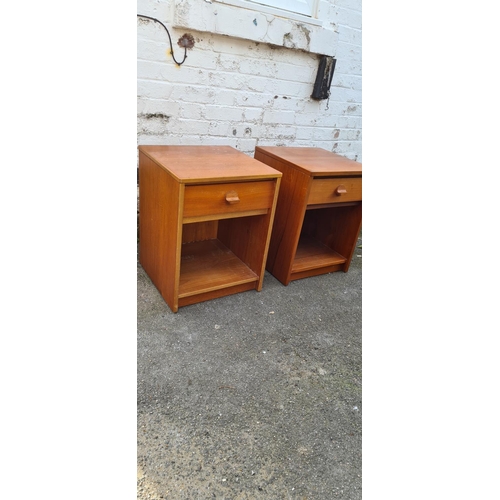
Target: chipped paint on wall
[320,36]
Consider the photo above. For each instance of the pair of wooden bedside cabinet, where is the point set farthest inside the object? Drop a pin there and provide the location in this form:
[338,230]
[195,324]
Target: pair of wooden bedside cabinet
[212,219]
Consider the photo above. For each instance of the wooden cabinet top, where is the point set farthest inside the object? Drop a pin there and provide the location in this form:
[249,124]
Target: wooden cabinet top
[200,164]
[313,161]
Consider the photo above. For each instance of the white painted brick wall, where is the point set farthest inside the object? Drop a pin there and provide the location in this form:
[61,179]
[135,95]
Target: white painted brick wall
[245,93]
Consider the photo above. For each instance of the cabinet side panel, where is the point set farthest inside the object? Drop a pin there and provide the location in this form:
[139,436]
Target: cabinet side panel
[351,226]
[290,209]
[160,230]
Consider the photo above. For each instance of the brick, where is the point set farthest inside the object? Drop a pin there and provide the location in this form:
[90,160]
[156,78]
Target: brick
[279,132]
[246,130]
[150,50]
[346,16]
[182,74]
[226,63]
[252,114]
[284,102]
[297,73]
[265,68]
[180,140]
[192,111]
[281,117]
[325,134]
[348,60]
[345,95]
[220,129]
[223,113]
[197,58]
[200,127]
[156,140]
[348,81]
[255,100]
[260,84]
[304,133]
[158,106]
[188,93]
[224,97]
[223,79]
[350,35]
[246,145]
[307,119]
[328,145]
[154,89]
[292,89]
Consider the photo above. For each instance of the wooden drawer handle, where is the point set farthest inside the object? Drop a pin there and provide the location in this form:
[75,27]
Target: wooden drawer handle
[340,190]
[232,197]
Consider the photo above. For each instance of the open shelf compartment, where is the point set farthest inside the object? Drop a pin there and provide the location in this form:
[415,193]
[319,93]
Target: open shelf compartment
[326,239]
[312,254]
[209,265]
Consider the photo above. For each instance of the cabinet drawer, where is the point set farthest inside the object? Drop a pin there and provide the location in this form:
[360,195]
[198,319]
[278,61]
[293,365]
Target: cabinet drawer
[235,197]
[334,190]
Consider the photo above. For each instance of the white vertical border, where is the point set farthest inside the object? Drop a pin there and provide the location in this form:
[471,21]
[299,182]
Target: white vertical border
[430,314]
[68,322]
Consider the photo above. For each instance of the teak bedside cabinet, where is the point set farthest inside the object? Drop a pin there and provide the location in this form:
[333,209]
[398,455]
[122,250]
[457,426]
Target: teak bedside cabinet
[205,220]
[318,216]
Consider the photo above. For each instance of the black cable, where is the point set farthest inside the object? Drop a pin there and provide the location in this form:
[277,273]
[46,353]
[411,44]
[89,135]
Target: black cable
[169,39]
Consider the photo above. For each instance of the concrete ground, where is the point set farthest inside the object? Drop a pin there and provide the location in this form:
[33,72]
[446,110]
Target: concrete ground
[252,396]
